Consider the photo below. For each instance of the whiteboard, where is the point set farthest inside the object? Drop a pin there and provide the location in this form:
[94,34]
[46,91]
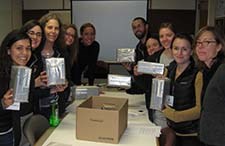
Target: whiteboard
[112,20]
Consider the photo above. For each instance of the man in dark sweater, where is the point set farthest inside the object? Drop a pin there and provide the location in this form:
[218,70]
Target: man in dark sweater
[140,30]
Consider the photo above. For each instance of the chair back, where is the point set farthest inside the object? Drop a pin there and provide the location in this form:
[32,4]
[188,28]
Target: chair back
[34,127]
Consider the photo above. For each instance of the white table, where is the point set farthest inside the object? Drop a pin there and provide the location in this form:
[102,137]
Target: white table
[65,135]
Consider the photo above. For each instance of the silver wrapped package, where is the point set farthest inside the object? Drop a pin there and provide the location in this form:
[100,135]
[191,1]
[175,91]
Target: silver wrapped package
[55,68]
[160,89]
[150,68]
[125,55]
[20,82]
[83,92]
[119,81]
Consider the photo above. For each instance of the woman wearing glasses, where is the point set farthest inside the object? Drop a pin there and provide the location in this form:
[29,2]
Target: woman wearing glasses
[34,30]
[210,48]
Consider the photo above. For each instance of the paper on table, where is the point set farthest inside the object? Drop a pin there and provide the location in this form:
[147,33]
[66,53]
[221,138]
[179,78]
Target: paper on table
[57,144]
[143,130]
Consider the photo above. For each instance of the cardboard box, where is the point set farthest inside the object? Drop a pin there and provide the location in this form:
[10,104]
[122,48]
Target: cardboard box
[125,55]
[119,81]
[82,92]
[160,89]
[101,119]
[20,82]
[150,68]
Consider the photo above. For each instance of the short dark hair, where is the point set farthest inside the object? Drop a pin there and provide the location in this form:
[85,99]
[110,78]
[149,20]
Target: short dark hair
[140,18]
[29,25]
[85,25]
[168,25]
[184,36]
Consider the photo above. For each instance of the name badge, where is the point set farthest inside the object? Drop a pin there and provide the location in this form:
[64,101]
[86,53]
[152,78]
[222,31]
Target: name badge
[169,100]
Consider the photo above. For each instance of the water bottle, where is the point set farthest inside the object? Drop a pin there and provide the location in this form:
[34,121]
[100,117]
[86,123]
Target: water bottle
[54,117]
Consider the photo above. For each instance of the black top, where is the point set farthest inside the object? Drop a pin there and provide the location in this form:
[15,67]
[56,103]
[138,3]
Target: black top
[209,72]
[140,52]
[8,118]
[87,57]
[43,95]
[183,89]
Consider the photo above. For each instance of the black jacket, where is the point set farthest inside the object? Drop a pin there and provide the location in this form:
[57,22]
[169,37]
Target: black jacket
[26,108]
[9,118]
[186,91]
[87,57]
[40,93]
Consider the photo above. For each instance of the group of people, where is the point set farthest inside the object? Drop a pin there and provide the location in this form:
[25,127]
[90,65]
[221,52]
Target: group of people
[29,46]
[195,68]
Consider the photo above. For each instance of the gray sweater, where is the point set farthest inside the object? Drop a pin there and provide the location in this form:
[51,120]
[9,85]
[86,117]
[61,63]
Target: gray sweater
[212,121]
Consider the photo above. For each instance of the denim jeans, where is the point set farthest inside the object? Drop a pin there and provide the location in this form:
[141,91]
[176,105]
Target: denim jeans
[6,139]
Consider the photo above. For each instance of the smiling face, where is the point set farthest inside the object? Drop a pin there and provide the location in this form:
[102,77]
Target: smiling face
[20,52]
[152,46]
[166,36]
[181,50]
[51,30]
[139,28]
[206,47]
[88,36]
[69,36]
[35,33]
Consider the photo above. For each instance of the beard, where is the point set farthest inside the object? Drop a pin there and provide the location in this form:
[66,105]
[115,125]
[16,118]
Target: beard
[140,35]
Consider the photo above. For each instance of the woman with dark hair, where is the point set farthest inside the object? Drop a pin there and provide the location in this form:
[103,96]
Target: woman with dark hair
[71,50]
[153,44]
[163,56]
[34,30]
[186,84]
[87,55]
[71,41]
[15,50]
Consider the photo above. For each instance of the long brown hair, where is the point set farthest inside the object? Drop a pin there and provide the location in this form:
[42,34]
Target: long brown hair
[59,43]
[73,48]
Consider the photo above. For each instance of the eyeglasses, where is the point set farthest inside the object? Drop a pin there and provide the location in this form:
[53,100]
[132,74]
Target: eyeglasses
[32,34]
[204,43]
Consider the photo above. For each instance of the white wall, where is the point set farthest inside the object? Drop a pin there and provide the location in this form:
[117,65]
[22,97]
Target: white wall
[10,15]
[5,14]
[112,20]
